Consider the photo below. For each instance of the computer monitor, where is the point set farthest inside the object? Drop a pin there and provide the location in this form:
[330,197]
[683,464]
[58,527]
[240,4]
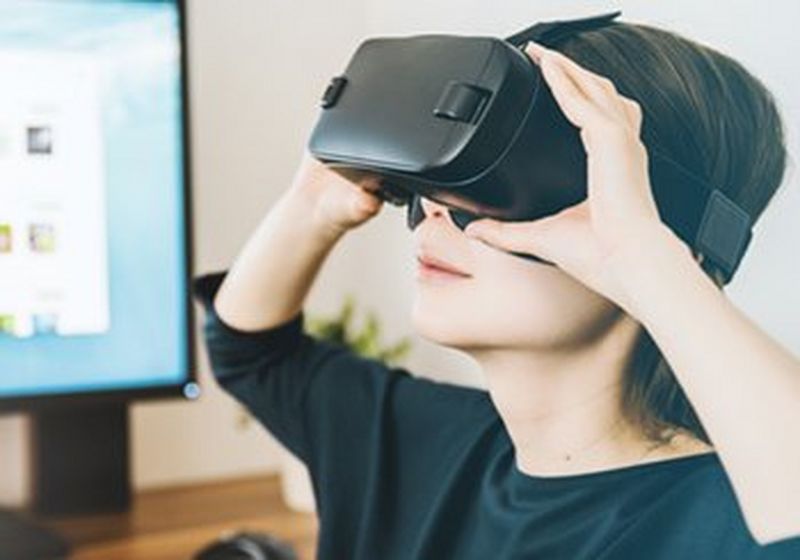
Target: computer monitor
[94,202]
[95,239]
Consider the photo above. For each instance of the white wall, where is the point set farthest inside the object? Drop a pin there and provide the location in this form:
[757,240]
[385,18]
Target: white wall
[258,69]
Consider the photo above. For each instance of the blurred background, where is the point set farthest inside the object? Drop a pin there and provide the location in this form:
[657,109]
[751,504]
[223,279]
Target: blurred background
[257,69]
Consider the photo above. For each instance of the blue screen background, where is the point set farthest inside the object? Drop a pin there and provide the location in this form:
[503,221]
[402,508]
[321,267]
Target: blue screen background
[142,126]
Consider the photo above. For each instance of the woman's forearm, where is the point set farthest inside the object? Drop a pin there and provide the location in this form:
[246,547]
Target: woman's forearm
[744,386]
[270,278]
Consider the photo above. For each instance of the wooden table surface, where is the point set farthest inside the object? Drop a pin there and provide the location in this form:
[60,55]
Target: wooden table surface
[174,523]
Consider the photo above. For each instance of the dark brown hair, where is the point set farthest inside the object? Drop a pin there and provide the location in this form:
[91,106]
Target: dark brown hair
[708,112]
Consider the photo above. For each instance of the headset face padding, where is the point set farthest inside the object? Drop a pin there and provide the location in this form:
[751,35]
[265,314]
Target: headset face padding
[415,214]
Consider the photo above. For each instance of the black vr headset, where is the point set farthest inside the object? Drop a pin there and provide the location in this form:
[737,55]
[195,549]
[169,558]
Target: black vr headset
[470,123]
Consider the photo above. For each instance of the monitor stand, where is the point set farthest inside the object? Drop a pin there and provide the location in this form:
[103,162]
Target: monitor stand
[79,458]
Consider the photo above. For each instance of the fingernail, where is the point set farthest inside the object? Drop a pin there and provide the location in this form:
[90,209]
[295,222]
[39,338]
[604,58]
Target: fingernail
[530,48]
[534,46]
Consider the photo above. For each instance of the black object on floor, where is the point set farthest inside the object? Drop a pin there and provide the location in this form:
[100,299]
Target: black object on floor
[21,539]
[247,546]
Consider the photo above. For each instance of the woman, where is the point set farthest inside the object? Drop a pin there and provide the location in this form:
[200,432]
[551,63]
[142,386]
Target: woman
[631,411]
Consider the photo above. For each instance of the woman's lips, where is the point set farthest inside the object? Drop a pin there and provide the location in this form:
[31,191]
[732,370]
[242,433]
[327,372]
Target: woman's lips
[430,267]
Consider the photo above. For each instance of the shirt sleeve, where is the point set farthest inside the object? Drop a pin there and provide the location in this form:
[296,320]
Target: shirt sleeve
[784,549]
[327,404]
[742,546]
[739,542]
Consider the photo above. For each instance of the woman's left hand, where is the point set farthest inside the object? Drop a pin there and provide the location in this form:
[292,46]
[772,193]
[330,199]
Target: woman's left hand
[619,213]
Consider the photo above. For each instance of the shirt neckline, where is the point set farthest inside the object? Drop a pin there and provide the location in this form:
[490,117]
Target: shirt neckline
[526,482]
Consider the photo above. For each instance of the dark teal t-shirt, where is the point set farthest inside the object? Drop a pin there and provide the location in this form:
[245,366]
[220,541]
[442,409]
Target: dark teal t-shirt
[405,467]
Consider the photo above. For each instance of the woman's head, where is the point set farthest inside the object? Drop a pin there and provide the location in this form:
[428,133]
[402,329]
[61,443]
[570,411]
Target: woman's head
[702,109]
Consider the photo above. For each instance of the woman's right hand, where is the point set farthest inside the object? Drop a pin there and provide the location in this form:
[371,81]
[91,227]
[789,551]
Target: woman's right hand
[334,203]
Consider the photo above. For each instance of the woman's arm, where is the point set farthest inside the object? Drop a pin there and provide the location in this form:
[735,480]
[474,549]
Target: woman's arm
[743,385]
[270,278]
[272,275]
[253,329]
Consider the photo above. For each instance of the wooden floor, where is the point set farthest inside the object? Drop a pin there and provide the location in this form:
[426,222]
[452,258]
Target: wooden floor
[173,524]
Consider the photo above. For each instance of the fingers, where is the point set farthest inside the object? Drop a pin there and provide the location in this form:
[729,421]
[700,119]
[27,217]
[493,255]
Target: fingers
[599,92]
[531,237]
[370,183]
[505,235]
[596,85]
[562,239]
[634,112]
[573,102]
[535,50]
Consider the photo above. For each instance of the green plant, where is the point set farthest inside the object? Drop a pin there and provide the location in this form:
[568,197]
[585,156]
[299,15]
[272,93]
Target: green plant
[367,342]
[339,328]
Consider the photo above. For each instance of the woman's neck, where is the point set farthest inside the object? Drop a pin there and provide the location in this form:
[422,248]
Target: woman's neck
[563,408]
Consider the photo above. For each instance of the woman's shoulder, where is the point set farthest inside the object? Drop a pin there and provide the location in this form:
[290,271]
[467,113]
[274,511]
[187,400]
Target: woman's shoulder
[724,511]
[701,509]
[686,507]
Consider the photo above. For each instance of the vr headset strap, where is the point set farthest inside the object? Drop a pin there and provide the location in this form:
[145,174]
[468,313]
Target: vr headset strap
[548,33]
[701,215]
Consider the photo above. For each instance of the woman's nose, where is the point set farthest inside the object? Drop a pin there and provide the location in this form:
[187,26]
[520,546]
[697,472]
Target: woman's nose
[432,208]
[424,207]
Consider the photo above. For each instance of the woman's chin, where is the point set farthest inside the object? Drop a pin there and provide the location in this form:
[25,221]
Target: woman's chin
[437,325]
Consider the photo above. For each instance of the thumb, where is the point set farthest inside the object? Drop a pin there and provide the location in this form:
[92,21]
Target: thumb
[554,238]
[530,237]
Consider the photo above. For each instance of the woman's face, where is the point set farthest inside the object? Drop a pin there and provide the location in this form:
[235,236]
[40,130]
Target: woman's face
[506,301]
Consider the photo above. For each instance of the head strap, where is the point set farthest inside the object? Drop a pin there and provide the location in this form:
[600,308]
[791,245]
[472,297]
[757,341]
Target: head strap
[548,33]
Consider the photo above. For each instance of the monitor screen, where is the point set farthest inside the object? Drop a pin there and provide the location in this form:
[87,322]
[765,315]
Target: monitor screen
[93,220]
